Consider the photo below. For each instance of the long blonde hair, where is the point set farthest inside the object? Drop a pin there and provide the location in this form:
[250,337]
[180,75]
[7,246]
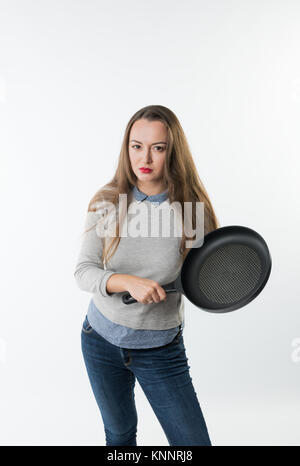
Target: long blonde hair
[180,175]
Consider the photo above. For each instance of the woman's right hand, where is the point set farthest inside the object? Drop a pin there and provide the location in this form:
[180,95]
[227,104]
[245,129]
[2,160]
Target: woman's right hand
[145,290]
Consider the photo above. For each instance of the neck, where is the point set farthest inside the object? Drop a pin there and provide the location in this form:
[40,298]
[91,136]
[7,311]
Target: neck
[151,189]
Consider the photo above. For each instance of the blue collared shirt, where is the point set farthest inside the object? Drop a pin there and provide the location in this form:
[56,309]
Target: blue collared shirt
[156,198]
[123,336]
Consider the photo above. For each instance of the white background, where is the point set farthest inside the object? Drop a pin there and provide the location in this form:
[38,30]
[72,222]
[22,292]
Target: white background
[72,73]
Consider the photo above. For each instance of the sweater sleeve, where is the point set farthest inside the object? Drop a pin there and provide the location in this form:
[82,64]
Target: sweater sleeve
[89,272]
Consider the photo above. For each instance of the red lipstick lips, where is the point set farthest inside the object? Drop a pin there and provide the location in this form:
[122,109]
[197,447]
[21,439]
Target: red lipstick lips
[146,170]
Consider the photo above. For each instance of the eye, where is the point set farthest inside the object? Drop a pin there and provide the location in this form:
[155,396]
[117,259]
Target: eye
[160,147]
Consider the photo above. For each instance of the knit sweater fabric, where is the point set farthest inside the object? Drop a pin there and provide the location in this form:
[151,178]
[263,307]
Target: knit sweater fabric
[135,325]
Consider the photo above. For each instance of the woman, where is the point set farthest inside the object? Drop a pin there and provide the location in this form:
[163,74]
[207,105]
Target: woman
[142,340]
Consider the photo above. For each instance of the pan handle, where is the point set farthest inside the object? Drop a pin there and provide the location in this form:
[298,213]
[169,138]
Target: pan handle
[169,288]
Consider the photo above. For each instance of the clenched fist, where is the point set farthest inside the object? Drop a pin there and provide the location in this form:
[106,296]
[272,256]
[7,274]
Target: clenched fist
[144,290]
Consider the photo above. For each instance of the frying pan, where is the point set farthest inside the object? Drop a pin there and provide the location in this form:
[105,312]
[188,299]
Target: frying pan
[228,271]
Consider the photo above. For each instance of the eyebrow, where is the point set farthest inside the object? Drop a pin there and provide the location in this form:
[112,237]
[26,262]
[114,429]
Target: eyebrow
[161,142]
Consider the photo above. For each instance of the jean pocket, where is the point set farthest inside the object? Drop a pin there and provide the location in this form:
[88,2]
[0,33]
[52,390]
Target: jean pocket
[86,326]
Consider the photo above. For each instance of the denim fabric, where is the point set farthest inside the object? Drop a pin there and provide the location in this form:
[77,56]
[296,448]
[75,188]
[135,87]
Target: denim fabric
[163,374]
[120,335]
[157,198]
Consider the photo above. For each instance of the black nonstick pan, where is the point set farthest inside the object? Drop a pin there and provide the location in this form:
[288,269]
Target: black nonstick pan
[228,271]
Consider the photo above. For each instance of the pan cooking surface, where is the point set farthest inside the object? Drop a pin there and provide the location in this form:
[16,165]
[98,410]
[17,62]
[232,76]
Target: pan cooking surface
[230,274]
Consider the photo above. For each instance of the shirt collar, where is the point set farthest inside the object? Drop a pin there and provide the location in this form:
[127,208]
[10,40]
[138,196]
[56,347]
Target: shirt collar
[140,196]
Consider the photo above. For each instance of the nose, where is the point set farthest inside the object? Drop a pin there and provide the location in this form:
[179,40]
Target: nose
[147,156]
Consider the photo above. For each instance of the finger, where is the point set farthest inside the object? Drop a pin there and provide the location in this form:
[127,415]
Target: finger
[148,300]
[162,294]
[155,296]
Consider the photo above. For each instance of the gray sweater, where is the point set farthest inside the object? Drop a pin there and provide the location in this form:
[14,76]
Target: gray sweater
[157,258]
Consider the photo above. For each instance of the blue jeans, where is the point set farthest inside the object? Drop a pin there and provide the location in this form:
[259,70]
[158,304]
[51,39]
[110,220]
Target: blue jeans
[163,374]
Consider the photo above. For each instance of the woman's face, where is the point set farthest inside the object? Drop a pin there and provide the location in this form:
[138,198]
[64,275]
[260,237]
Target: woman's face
[147,149]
